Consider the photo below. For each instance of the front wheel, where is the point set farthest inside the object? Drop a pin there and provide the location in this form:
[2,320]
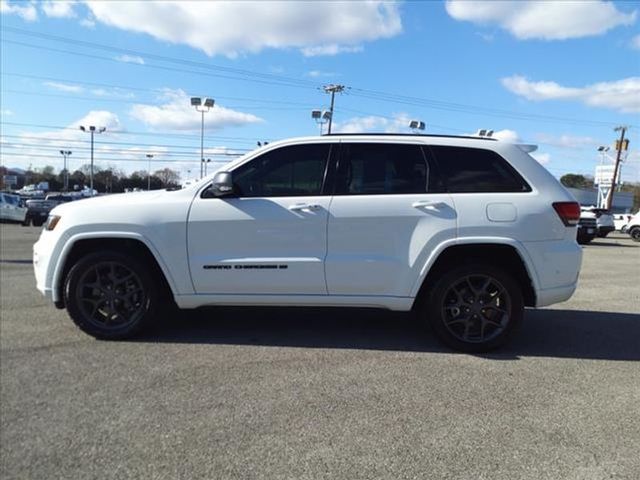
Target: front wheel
[110,295]
[634,233]
[475,308]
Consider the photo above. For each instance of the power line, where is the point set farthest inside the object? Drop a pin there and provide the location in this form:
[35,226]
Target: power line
[108,142]
[250,140]
[288,81]
[145,90]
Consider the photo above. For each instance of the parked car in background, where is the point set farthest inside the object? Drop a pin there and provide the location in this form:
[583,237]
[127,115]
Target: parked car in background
[633,227]
[11,208]
[467,231]
[38,209]
[587,227]
[620,220]
[604,220]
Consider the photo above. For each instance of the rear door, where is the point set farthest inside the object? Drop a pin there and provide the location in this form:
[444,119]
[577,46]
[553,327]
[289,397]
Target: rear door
[387,215]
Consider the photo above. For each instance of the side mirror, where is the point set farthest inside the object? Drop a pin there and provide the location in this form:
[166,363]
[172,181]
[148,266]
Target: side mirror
[222,184]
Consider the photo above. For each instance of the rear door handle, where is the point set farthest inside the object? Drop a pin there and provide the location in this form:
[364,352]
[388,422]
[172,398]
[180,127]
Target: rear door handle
[299,207]
[427,204]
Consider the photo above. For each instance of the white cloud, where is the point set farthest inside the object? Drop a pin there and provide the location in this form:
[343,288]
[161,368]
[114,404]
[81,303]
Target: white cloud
[6,112]
[372,123]
[529,19]
[330,50]
[542,158]
[635,42]
[566,141]
[130,59]
[621,95]
[59,8]
[321,74]
[25,10]
[507,136]
[88,22]
[178,114]
[220,28]
[64,87]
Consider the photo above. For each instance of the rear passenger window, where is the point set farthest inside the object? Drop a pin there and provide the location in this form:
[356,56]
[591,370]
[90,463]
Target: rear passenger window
[379,168]
[466,170]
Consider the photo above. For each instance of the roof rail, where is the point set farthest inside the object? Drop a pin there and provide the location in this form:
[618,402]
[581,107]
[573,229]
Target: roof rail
[427,135]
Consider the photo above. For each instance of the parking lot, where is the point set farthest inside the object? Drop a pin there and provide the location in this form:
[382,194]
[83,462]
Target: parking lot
[322,393]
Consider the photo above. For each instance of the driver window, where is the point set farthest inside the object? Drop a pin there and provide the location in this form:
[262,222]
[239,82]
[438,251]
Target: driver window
[297,170]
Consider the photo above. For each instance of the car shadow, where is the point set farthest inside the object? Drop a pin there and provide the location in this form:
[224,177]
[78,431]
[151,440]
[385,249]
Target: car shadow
[600,243]
[544,333]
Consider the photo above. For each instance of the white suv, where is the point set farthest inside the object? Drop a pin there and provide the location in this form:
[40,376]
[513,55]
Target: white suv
[466,231]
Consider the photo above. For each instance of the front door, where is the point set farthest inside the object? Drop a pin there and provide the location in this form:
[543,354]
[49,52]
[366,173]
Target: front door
[270,237]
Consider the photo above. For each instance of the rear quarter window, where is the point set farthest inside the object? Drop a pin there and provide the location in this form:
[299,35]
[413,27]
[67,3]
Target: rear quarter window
[476,170]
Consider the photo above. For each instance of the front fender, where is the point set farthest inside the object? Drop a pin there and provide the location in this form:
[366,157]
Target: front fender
[66,245]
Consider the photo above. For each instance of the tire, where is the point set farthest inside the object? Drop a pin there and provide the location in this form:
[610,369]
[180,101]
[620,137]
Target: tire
[634,233]
[37,222]
[463,307]
[27,222]
[111,295]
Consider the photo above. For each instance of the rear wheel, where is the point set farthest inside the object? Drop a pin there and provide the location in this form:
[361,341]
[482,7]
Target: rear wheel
[634,233]
[475,308]
[110,295]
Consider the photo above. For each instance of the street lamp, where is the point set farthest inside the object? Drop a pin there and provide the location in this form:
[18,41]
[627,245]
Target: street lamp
[205,165]
[484,132]
[321,117]
[65,154]
[91,129]
[416,125]
[603,152]
[149,156]
[202,107]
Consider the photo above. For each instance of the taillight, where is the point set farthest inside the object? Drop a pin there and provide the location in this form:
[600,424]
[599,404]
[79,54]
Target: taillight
[569,212]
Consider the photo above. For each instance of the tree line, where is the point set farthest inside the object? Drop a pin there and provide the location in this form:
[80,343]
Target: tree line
[105,180]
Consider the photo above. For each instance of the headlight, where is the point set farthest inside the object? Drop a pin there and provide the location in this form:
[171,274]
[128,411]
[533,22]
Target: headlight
[52,221]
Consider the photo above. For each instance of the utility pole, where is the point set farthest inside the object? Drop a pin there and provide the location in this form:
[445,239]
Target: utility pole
[332,89]
[620,145]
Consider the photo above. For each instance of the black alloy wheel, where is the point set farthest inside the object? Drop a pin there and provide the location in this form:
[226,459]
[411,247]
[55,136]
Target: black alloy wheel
[110,295]
[475,308]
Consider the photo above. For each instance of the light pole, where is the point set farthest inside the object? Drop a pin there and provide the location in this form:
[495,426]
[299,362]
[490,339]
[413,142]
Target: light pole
[205,166]
[65,154]
[202,107]
[149,156]
[91,129]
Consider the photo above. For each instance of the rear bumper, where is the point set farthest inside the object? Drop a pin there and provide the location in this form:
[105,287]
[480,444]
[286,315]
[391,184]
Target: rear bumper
[557,265]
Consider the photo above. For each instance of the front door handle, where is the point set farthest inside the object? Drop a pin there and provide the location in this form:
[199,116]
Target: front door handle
[427,204]
[299,207]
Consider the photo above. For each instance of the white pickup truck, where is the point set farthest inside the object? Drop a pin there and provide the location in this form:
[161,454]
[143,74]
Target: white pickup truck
[466,231]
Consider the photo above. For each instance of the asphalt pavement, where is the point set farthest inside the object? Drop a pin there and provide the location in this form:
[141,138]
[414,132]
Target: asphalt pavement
[244,393]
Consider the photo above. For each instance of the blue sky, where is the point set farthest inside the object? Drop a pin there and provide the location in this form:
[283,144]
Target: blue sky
[557,74]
